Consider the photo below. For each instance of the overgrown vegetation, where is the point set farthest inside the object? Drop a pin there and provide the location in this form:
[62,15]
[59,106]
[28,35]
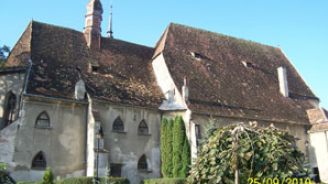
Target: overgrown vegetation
[175,149]
[86,180]
[254,152]
[165,181]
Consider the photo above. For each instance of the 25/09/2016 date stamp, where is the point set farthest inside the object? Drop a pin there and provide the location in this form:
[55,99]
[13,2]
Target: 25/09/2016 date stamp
[279,181]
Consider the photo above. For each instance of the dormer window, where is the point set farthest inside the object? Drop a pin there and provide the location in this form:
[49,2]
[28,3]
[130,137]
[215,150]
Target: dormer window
[196,55]
[247,64]
[94,68]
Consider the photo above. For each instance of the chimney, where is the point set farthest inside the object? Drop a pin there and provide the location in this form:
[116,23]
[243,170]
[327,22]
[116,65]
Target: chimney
[283,83]
[92,29]
[185,90]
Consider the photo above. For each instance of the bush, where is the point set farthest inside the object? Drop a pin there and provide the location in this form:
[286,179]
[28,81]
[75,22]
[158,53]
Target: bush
[89,180]
[165,181]
[175,149]
[257,153]
[166,147]
[48,177]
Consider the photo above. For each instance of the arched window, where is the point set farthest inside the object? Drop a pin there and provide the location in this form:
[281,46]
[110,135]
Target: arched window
[118,125]
[10,106]
[143,128]
[142,163]
[43,120]
[39,161]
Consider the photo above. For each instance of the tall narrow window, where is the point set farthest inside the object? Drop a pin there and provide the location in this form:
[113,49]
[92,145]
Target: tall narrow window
[10,108]
[43,120]
[142,163]
[143,128]
[118,125]
[39,161]
[198,134]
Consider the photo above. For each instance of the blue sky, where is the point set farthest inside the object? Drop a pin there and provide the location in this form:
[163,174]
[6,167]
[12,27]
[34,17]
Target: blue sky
[299,27]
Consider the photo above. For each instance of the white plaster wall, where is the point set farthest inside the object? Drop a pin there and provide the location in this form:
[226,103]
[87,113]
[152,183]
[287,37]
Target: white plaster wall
[126,148]
[7,144]
[166,83]
[90,140]
[319,142]
[295,130]
[63,143]
[10,82]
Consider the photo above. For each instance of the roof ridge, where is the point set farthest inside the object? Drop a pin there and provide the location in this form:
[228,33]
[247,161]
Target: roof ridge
[53,25]
[172,24]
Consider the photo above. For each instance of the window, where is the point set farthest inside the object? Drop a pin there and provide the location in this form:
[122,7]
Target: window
[118,125]
[10,106]
[196,55]
[142,163]
[39,161]
[198,134]
[43,120]
[115,170]
[143,128]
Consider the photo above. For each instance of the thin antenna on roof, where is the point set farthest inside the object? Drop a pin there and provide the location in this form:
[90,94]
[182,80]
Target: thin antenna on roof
[110,25]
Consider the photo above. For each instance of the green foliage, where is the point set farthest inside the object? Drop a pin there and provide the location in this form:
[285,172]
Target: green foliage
[165,181]
[89,180]
[166,147]
[185,159]
[3,166]
[4,50]
[48,177]
[175,149]
[179,134]
[260,153]
[5,178]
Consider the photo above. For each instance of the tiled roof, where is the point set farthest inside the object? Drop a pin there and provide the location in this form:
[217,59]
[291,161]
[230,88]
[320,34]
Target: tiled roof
[60,54]
[228,76]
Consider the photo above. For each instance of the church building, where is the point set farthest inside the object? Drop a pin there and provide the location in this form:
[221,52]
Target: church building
[68,96]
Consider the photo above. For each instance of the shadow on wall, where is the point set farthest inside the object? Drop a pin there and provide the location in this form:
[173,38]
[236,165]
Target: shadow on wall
[10,90]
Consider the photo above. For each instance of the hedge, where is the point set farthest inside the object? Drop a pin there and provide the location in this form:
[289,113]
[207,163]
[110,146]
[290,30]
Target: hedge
[165,181]
[85,180]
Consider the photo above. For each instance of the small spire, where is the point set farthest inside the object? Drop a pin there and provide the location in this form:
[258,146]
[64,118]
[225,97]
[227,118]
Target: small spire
[110,25]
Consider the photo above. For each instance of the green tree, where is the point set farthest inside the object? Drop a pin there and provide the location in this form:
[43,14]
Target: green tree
[179,136]
[185,159]
[4,50]
[166,147]
[48,177]
[254,152]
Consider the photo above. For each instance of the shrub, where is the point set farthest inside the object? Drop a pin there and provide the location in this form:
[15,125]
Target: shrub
[48,177]
[175,149]
[179,135]
[89,180]
[166,147]
[28,182]
[165,181]
[257,153]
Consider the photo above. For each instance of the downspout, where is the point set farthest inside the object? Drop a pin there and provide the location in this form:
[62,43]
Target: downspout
[23,91]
